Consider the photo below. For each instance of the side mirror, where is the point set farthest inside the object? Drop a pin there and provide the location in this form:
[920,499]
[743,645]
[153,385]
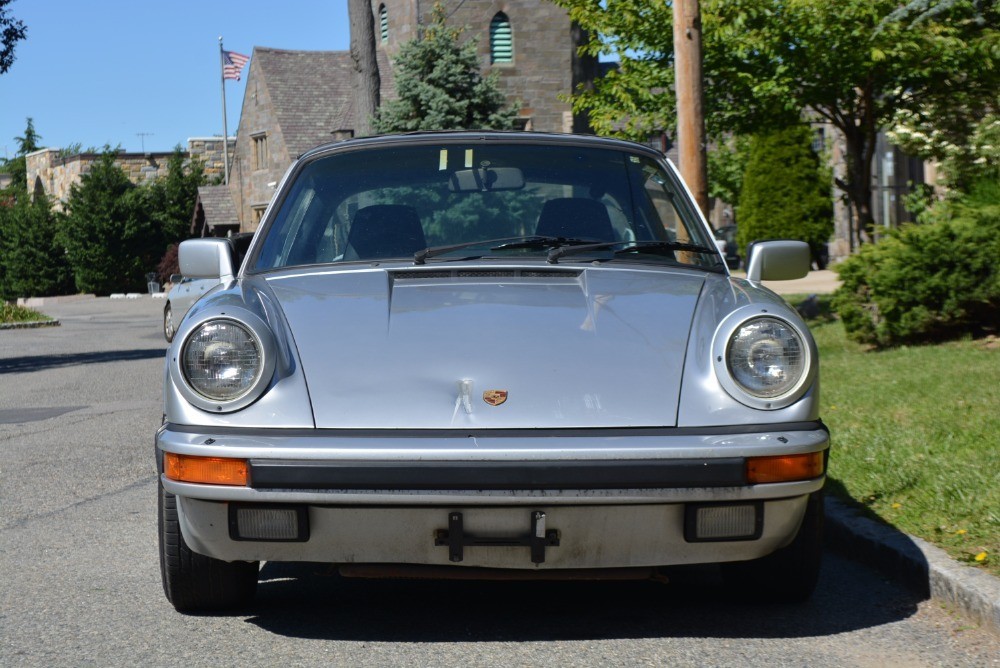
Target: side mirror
[206,258]
[782,260]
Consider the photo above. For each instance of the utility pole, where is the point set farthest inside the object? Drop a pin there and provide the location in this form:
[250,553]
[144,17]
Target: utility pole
[690,99]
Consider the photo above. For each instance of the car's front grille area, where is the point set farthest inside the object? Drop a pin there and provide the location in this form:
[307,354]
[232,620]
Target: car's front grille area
[440,274]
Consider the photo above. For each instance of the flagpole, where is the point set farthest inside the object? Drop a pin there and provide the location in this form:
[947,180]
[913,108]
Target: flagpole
[225,128]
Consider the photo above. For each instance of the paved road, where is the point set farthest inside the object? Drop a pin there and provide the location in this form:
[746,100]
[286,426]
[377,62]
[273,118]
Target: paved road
[79,579]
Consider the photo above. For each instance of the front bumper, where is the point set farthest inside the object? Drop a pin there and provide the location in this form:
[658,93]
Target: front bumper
[616,497]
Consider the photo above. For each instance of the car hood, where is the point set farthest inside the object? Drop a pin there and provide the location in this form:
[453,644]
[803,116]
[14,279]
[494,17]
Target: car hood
[434,349]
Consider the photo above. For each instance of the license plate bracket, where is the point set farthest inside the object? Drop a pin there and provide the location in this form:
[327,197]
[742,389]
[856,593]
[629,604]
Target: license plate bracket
[456,539]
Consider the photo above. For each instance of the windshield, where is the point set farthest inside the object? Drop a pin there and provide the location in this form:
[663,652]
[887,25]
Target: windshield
[395,203]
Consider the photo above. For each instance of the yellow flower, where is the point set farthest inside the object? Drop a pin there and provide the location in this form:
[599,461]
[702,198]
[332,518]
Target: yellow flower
[897,505]
[981,557]
[961,532]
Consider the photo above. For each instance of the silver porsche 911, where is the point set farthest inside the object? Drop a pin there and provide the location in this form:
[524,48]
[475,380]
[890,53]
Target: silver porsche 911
[489,355]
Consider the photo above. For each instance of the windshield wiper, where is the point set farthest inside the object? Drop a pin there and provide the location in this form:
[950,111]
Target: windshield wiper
[630,247]
[542,242]
[420,257]
[504,243]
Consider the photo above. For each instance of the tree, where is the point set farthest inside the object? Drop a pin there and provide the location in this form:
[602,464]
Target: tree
[853,63]
[115,231]
[110,240]
[727,163]
[964,138]
[11,31]
[174,195]
[440,87]
[33,262]
[786,191]
[17,166]
[366,81]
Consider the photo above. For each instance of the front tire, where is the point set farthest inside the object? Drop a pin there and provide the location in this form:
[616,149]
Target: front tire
[789,575]
[169,329]
[192,581]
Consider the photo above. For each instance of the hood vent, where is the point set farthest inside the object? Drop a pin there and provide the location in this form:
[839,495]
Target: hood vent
[439,274]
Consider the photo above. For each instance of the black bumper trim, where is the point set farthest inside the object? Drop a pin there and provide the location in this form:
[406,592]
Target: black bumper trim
[632,474]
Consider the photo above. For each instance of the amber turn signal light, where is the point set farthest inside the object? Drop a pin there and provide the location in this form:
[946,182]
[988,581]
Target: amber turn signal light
[784,468]
[207,470]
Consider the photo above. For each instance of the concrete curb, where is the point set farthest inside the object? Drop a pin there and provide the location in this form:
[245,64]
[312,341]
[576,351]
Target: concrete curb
[31,302]
[29,325]
[919,564]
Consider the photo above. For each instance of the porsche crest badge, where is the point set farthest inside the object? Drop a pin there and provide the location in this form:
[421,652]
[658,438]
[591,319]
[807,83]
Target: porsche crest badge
[495,397]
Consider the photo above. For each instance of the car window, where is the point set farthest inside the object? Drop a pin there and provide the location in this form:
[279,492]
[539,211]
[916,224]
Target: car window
[391,202]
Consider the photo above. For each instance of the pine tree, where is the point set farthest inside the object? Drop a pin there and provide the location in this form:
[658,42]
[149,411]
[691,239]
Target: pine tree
[32,261]
[786,192]
[175,195]
[440,86]
[110,238]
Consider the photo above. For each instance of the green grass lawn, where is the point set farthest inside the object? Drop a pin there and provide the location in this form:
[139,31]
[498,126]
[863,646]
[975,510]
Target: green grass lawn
[916,437]
[14,313]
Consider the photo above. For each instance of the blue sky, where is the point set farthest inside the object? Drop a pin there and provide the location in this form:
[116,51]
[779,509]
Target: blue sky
[100,72]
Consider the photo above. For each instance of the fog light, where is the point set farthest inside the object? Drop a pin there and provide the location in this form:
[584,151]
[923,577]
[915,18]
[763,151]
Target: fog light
[715,522]
[268,523]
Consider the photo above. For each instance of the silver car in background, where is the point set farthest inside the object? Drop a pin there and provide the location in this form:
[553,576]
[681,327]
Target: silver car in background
[489,354]
[184,292]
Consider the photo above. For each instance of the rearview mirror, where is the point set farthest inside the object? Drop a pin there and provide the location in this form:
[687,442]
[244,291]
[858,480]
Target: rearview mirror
[486,179]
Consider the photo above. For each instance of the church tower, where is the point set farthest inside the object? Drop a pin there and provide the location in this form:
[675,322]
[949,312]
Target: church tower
[531,44]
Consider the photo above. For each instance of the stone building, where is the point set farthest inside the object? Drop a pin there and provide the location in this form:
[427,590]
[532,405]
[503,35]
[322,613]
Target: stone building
[531,44]
[52,174]
[296,100]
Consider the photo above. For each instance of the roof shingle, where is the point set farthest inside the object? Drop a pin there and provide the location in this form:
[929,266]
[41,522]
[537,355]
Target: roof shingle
[217,203]
[311,93]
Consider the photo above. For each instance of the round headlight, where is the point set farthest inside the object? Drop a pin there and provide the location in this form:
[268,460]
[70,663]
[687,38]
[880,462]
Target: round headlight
[222,360]
[766,357]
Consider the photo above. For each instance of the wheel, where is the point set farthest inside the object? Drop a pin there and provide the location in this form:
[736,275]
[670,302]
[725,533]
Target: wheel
[192,581]
[169,329]
[788,575]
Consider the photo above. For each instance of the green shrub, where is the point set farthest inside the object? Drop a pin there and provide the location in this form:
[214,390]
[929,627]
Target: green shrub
[927,282]
[785,192]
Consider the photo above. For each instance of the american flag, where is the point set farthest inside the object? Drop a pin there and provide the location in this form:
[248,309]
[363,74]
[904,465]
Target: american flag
[232,64]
